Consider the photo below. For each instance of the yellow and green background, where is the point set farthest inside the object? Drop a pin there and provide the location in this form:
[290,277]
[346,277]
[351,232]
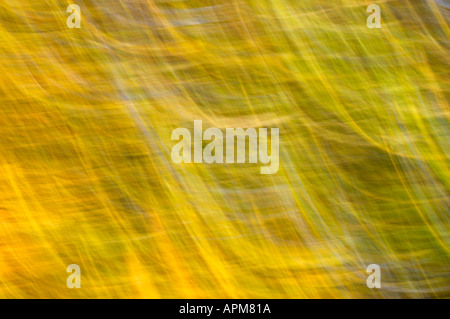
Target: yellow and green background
[86,176]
